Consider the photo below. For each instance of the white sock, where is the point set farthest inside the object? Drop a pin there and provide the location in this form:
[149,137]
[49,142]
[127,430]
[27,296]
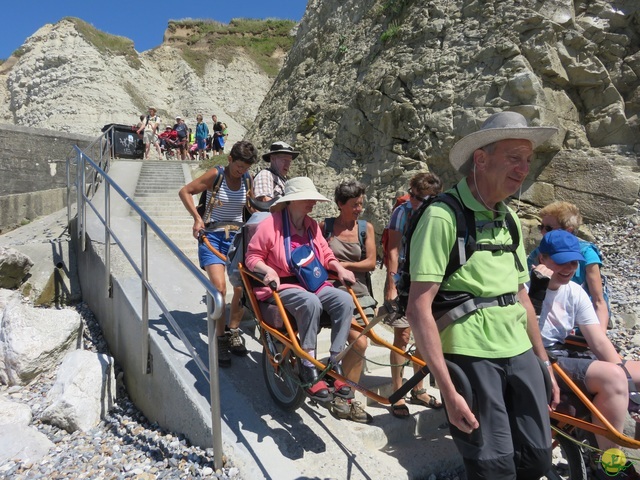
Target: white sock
[309,363]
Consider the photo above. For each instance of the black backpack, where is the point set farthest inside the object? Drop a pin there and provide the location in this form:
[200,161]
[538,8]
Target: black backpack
[463,248]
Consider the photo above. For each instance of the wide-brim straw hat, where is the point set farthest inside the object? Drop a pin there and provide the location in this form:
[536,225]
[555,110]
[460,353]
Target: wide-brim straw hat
[499,126]
[280,147]
[300,188]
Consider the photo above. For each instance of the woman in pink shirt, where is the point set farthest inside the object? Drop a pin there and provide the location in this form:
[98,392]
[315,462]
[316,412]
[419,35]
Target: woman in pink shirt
[273,251]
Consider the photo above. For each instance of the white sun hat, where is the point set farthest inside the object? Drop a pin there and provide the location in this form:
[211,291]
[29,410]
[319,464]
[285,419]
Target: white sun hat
[300,188]
[499,126]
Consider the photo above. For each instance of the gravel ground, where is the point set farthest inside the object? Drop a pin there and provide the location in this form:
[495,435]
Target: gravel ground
[126,445]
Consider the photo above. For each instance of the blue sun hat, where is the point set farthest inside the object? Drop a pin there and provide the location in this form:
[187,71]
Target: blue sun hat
[561,246]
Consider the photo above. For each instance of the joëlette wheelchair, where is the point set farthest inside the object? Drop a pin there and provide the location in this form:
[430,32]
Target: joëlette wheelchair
[574,430]
[282,354]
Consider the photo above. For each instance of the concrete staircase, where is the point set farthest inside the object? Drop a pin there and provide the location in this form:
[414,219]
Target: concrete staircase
[157,194]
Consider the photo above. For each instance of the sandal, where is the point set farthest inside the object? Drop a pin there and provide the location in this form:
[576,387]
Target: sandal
[400,411]
[432,403]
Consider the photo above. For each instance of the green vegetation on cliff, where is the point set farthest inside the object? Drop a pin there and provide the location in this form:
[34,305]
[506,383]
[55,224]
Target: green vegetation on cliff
[261,39]
[105,42]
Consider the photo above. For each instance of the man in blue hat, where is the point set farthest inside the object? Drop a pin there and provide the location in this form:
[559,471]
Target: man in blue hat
[599,372]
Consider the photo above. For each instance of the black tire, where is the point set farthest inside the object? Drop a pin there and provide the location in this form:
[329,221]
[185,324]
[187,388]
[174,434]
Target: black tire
[568,461]
[283,383]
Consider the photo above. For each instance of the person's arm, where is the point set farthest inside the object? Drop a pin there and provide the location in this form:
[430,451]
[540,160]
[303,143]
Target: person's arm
[344,275]
[427,339]
[368,264]
[599,343]
[594,282]
[395,239]
[195,187]
[533,331]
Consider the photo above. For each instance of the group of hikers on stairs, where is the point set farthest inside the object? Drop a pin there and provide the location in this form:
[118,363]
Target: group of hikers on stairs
[457,279]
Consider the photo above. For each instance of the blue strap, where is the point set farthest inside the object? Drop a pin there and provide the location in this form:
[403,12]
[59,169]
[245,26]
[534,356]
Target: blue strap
[287,239]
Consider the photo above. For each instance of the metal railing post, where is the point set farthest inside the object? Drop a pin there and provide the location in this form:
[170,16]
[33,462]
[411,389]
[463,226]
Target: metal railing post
[107,236]
[145,297]
[214,383]
[83,178]
[68,174]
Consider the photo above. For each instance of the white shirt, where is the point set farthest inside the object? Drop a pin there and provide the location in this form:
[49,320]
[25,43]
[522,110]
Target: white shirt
[562,311]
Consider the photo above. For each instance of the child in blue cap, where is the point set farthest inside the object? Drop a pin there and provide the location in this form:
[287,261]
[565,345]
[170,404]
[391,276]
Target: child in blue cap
[600,372]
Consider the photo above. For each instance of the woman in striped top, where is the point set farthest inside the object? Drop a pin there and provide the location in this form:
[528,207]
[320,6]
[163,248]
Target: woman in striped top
[223,220]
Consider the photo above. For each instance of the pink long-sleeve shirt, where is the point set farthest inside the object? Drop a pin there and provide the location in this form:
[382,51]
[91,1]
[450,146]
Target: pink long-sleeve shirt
[267,244]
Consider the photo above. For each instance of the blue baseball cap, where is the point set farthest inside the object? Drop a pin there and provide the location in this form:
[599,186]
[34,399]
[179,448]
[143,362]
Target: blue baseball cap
[561,246]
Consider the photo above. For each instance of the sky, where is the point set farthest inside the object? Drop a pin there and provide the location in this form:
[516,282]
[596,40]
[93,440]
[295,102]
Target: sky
[144,22]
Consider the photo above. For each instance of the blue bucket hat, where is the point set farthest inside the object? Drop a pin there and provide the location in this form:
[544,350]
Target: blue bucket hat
[561,246]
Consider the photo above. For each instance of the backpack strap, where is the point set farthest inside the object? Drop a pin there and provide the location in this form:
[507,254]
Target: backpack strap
[247,179]
[362,238]
[327,231]
[217,182]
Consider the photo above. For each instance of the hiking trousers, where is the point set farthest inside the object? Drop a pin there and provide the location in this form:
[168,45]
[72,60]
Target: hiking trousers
[509,401]
[306,307]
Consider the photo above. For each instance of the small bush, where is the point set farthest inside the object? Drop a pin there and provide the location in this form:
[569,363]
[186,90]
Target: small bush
[390,32]
[107,43]
[259,38]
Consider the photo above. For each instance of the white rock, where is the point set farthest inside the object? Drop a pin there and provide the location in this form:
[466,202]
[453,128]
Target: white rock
[84,391]
[20,442]
[34,340]
[14,412]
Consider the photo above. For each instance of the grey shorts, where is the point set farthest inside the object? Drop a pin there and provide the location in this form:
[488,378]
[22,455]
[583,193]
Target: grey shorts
[575,364]
[396,321]
[368,305]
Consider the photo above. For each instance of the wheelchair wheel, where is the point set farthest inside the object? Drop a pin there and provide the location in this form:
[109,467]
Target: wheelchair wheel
[568,461]
[282,381]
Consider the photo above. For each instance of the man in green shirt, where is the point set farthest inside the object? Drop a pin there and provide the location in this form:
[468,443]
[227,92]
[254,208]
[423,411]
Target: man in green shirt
[505,433]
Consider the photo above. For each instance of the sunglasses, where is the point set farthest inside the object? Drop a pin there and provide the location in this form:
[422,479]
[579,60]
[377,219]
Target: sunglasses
[417,197]
[545,228]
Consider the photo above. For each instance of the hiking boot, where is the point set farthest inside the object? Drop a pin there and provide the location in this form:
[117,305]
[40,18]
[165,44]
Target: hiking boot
[350,410]
[236,342]
[224,352]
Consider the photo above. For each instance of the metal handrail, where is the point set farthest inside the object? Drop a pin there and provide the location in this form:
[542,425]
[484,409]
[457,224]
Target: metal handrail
[215,302]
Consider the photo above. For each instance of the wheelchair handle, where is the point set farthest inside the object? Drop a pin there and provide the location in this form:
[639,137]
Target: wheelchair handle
[260,276]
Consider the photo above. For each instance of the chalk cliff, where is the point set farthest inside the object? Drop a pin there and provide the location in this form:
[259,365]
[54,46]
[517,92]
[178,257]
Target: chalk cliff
[379,89]
[71,77]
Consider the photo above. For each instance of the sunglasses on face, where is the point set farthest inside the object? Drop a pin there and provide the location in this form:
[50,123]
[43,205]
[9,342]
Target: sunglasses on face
[413,195]
[545,228]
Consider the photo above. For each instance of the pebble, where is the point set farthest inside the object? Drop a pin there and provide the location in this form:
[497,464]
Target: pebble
[125,445]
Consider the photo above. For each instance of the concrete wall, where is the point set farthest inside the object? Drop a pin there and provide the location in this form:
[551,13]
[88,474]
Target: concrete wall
[33,172]
[21,208]
[33,159]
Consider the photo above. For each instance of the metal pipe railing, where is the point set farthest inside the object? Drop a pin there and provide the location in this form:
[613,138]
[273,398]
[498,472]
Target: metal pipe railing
[215,302]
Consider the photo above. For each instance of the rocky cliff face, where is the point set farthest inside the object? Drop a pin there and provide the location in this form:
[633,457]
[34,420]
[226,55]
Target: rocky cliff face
[380,89]
[62,80]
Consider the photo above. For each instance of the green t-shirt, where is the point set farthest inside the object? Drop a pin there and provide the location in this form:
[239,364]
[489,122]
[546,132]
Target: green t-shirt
[494,332]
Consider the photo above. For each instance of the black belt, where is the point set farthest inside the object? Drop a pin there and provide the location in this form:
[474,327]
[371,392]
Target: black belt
[217,226]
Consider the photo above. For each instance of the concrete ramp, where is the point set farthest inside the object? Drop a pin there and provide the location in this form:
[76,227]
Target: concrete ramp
[264,441]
